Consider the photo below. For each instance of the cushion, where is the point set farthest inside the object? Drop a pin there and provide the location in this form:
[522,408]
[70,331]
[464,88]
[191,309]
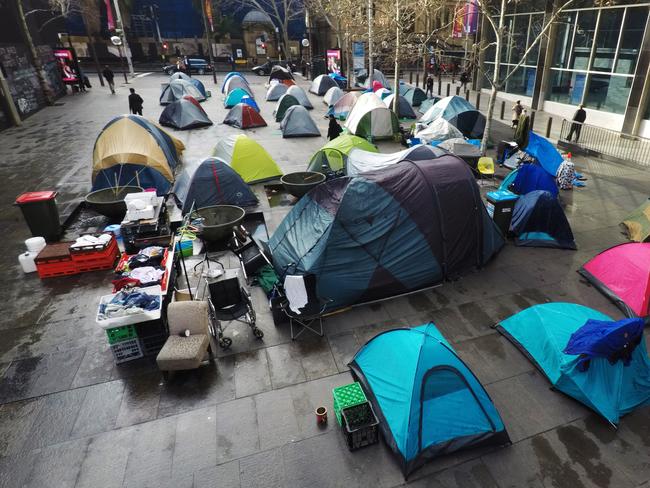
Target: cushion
[183,352]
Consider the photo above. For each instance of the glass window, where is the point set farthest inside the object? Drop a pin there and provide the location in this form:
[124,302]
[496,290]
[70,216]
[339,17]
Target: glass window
[563,39]
[487,76]
[584,39]
[519,37]
[608,93]
[522,82]
[536,26]
[635,19]
[566,87]
[609,29]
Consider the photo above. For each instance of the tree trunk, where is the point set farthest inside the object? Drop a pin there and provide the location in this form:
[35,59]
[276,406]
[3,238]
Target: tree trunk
[370,39]
[38,66]
[397,49]
[91,45]
[348,55]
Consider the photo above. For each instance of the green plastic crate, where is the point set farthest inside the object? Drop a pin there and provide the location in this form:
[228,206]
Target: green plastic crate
[121,334]
[347,396]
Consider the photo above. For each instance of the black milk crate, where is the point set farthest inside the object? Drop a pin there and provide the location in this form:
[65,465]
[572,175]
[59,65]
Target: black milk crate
[151,328]
[360,426]
[151,345]
[126,350]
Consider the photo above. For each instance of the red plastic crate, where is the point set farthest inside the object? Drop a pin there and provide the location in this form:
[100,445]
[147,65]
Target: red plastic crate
[50,266]
[111,252]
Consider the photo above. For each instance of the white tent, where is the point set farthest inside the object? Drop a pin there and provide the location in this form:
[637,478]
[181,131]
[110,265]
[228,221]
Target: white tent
[360,161]
[370,118]
[275,91]
[332,96]
[438,130]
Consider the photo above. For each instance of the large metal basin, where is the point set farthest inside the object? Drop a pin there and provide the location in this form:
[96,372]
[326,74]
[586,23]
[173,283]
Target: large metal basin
[299,183]
[110,201]
[219,220]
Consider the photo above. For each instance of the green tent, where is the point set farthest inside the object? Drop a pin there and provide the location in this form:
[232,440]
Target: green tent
[235,96]
[284,103]
[333,155]
[247,158]
[371,119]
[637,223]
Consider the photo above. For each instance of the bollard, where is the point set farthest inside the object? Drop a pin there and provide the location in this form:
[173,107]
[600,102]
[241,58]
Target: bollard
[467,95]
[448,88]
[457,91]
[411,77]
[478,100]
[532,119]
[549,123]
[417,79]
[503,109]
[439,86]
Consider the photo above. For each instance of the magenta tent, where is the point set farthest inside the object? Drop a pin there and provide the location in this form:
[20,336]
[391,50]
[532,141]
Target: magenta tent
[622,273]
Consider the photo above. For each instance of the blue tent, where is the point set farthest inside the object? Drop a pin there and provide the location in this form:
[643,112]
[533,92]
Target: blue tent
[199,86]
[544,153]
[605,384]
[228,76]
[458,112]
[539,221]
[235,97]
[428,401]
[251,101]
[213,183]
[531,177]
[407,226]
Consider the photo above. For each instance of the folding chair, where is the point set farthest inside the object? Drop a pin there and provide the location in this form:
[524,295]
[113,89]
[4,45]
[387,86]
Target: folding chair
[485,169]
[307,316]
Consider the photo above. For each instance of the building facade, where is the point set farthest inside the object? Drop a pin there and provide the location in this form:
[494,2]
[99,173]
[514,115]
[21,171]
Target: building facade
[594,54]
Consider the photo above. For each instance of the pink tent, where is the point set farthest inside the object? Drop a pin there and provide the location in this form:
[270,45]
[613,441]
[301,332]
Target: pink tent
[376,86]
[622,273]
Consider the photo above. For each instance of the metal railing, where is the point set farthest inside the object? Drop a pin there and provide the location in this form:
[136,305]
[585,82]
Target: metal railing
[606,143]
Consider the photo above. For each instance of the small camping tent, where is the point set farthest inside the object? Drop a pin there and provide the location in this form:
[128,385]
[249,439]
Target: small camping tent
[404,109]
[275,91]
[228,76]
[637,224]
[213,182]
[622,273]
[428,402]
[243,116]
[235,97]
[248,158]
[300,95]
[237,82]
[333,156]
[460,146]
[370,118]
[415,96]
[427,104]
[544,153]
[284,103]
[539,221]
[179,75]
[360,161]
[131,150]
[184,114]
[177,89]
[460,113]
[321,84]
[280,73]
[584,354]
[297,123]
[332,96]
[341,81]
[251,102]
[531,177]
[382,233]
[438,130]
[343,106]
[383,93]
[377,76]
[199,86]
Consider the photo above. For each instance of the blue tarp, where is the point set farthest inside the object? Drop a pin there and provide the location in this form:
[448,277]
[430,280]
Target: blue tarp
[612,390]
[429,402]
[531,177]
[544,153]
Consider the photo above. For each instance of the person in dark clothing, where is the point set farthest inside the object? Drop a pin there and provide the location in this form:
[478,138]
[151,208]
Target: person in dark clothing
[109,77]
[464,79]
[578,118]
[334,129]
[135,102]
[429,86]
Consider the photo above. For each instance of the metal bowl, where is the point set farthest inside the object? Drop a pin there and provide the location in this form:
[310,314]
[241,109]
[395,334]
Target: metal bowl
[219,220]
[110,201]
[299,183]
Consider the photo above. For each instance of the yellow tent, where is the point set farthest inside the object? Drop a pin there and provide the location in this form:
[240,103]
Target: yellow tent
[137,144]
[247,158]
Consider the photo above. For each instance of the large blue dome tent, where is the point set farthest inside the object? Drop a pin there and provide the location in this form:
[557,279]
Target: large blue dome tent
[585,354]
[428,401]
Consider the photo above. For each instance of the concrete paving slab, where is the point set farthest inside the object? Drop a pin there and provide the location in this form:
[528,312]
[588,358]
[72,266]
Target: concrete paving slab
[195,446]
[58,466]
[105,461]
[222,476]
[16,421]
[251,373]
[99,409]
[140,399]
[237,429]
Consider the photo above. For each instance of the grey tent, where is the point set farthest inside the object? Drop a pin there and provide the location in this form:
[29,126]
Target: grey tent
[280,73]
[377,76]
[427,104]
[237,82]
[275,91]
[284,103]
[332,96]
[298,123]
[213,182]
[301,96]
[179,75]
[415,96]
[185,113]
[177,89]
[321,84]
[404,109]
[244,116]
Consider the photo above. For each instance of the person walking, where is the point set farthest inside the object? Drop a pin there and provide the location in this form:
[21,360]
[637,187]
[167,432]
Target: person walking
[464,79]
[109,76]
[135,102]
[429,86]
[334,129]
[517,109]
[578,119]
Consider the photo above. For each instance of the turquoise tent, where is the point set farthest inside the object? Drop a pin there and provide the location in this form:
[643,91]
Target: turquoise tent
[428,401]
[612,389]
[235,97]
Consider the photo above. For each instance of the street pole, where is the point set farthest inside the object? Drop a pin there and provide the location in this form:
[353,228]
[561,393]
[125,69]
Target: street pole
[370,19]
[8,101]
[126,79]
[207,39]
[122,33]
[154,16]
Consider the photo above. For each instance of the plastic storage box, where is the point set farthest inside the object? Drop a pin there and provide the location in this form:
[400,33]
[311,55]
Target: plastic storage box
[500,204]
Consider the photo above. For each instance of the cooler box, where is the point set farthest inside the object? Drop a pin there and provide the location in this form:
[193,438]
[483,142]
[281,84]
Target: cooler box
[500,204]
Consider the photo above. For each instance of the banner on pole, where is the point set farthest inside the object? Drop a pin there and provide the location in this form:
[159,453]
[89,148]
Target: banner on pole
[358,55]
[208,13]
[110,22]
[471,17]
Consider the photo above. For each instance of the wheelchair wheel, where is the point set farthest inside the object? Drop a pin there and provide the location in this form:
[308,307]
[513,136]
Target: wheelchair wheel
[259,333]
[225,343]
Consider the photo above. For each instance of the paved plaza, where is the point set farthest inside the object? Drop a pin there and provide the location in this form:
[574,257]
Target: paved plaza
[70,417]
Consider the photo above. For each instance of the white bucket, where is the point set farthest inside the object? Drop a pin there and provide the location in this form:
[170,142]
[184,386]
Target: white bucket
[35,244]
[26,261]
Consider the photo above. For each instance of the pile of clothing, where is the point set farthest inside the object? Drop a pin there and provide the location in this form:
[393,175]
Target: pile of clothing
[128,302]
[142,269]
[90,240]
